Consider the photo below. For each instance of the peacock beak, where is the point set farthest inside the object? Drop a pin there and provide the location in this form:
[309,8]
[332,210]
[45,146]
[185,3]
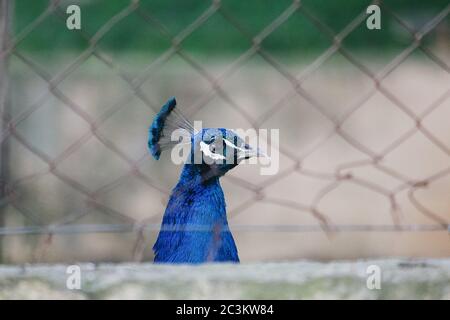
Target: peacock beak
[261,154]
[249,152]
[246,151]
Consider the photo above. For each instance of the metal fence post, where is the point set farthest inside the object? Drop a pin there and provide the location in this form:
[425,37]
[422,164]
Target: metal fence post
[5,25]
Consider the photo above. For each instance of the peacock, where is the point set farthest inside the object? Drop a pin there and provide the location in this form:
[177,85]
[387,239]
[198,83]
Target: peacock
[194,227]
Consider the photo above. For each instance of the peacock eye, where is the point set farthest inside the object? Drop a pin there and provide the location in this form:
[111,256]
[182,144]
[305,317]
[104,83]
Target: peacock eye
[212,148]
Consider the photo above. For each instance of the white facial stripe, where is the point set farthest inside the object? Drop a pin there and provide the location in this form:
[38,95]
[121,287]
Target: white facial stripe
[207,152]
[244,153]
[234,146]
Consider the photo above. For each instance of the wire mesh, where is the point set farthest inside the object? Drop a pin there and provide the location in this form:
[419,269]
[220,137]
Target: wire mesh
[69,223]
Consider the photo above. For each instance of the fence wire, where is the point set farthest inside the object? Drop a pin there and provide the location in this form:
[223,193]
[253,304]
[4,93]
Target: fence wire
[11,189]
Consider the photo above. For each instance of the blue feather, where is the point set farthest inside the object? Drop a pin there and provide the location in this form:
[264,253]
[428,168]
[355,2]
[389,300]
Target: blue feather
[196,223]
[156,129]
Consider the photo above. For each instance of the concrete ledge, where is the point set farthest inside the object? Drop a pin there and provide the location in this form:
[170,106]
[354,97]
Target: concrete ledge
[400,279]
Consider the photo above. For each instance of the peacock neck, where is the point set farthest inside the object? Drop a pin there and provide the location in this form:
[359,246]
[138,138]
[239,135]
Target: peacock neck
[194,190]
[193,177]
[195,203]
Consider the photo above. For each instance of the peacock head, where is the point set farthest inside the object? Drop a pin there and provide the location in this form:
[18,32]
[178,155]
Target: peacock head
[213,151]
[218,150]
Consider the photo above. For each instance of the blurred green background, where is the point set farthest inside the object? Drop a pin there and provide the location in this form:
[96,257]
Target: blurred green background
[217,37]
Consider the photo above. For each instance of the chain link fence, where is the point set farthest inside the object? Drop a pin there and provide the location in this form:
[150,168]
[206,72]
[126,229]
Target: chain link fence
[54,194]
